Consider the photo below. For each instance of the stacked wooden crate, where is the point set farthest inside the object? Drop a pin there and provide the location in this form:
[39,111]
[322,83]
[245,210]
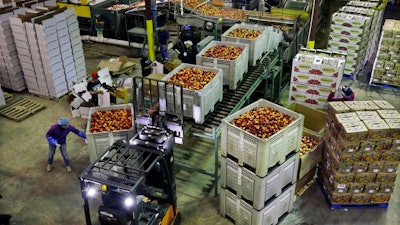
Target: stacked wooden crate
[11,75]
[361,154]
[258,175]
[49,49]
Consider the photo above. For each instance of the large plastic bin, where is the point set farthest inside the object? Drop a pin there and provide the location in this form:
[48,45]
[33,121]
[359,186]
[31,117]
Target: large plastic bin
[100,141]
[243,213]
[261,153]
[233,70]
[196,103]
[253,188]
[257,47]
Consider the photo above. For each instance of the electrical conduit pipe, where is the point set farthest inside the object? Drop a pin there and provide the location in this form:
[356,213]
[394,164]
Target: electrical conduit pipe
[100,39]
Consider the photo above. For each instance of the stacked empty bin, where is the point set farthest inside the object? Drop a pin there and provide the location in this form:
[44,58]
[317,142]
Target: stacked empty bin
[10,67]
[361,154]
[258,175]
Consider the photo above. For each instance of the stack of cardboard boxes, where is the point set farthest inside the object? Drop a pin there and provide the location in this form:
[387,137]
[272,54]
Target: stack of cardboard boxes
[2,98]
[354,30]
[386,69]
[314,74]
[49,49]
[11,75]
[361,152]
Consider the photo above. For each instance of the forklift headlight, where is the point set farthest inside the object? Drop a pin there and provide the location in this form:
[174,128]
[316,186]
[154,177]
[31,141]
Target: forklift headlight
[128,202]
[90,192]
[209,26]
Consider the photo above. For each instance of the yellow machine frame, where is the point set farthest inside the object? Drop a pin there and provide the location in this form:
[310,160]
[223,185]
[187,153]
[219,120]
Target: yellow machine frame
[81,10]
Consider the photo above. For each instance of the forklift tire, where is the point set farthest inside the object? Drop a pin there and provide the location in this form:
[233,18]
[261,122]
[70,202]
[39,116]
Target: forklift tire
[177,219]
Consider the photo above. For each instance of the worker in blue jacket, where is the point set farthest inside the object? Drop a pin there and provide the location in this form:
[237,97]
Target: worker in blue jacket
[57,136]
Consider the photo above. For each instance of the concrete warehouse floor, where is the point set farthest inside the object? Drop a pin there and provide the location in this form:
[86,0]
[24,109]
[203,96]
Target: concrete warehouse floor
[33,196]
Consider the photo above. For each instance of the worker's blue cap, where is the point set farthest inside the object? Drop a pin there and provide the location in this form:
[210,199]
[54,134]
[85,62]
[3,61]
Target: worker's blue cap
[63,121]
[186,27]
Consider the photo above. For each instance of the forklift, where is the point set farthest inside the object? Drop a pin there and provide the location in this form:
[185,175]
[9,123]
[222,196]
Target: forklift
[133,182]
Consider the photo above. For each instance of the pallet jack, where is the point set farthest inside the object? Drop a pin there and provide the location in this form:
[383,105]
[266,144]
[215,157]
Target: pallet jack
[133,183]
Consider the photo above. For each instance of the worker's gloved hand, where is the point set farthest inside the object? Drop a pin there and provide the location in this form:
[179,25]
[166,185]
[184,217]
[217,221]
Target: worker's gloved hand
[185,54]
[333,90]
[58,145]
[82,134]
[153,64]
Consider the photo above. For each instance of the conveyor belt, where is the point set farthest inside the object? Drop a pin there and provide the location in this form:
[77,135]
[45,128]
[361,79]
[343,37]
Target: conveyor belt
[233,100]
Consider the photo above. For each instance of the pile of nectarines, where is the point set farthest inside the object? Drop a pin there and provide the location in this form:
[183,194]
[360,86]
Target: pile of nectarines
[192,78]
[110,120]
[263,122]
[226,52]
[245,33]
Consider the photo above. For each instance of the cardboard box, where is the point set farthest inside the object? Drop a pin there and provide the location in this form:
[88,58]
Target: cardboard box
[383,144]
[356,187]
[391,155]
[386,187]
[380,197]
[365,177]
[353,131]
[384,177]
[389,114]
[371,156]
[346,117]
[311,159]
[377,129]
[345,157]
[347,146]
[394,125]
[355,105]
[383,104]
[360,167]
[369,105]
[371,188]
[314,120]
[390,166]
[340,198]
[368,115]
[375,167]
[367,146]
[337,107]
[361,198]
[84,111]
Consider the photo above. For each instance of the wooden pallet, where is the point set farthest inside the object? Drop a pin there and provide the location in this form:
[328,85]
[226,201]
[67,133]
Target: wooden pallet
[8,97]
[21,109]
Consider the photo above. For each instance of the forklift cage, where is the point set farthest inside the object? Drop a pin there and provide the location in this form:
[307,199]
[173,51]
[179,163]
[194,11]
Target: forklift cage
[153,99]
[133,160]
